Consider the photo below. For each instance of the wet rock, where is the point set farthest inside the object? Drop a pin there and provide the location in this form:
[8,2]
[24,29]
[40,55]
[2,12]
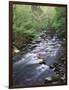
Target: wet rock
[38,41]
[48,78]
[33,46]
[52,67]
[42,55]
[42,62]
[63,78]
[33,42]
[43,36]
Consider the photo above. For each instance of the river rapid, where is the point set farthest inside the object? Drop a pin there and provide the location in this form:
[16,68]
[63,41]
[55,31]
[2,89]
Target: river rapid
[39,65]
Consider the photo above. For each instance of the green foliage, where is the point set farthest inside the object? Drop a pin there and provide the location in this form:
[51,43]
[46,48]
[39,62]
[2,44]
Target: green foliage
[60,21]
[28,21]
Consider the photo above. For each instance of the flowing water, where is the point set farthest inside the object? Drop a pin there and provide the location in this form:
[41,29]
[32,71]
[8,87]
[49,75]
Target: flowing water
[35,66]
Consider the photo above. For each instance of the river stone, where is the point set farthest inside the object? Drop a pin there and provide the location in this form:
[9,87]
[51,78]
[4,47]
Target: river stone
[33,42]
[42,55]
[33,46]
[38,41]
[48,78]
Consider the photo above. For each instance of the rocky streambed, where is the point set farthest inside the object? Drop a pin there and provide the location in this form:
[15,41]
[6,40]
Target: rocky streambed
[43,63]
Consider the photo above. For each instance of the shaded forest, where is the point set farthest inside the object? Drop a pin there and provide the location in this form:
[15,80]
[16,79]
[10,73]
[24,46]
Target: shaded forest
[31,20]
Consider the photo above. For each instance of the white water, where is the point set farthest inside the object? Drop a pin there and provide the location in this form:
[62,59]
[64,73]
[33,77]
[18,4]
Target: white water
[46,51]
